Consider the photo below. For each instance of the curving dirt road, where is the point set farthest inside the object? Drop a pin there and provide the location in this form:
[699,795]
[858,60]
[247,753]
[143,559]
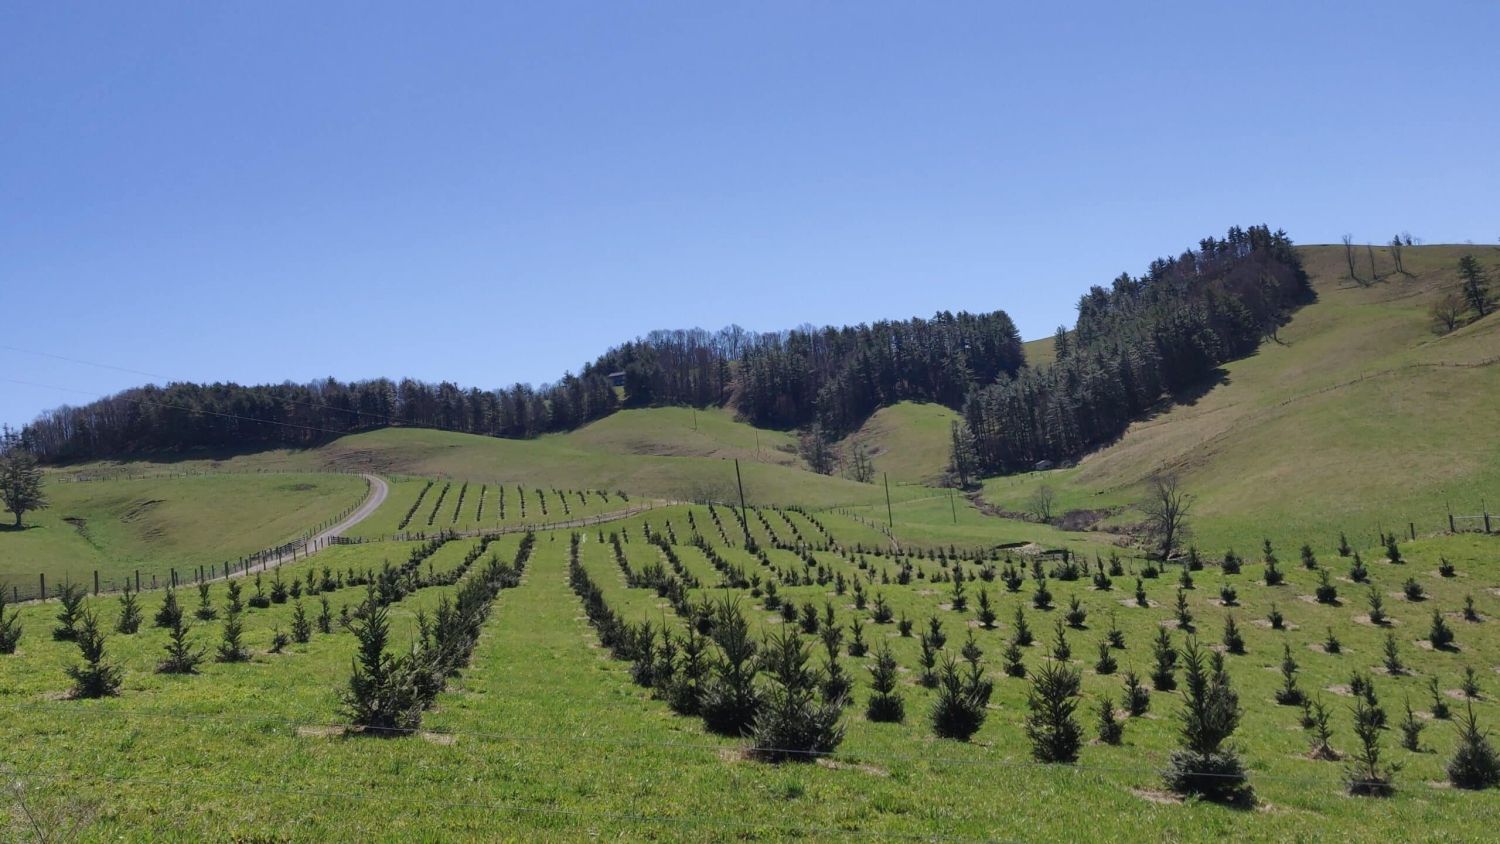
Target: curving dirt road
[379,489]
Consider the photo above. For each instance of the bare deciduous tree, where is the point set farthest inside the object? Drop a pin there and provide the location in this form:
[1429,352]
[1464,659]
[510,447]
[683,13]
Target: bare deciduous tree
[1041,501]
[1396,247]
[1348,240]
[1166,508]
[1448,312]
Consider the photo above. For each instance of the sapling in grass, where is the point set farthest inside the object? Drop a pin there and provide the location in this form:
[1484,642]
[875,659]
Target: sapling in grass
[1475,764]
[857,646]
[301,626]
[1320,723]
[1393,551]
[259,600]
[792,724]
[1164,676]
[1054,733]
[71,599]
[10,628]
[279,641]
[1231,563]
[1137,698]
[1309,559]
[1015,665]
[1440,634]
[1411,730]
[809,619]
[1021,633]
[1204,765]
[1445,568]
[130,612]
[1392,652]
[1289,694]
[789,611]
[1060,649]
[96,677]
[230,647]
[1076,614]
[325,615]
[731,697]
[935,633]
[1106,663]
[904,626]
[205,611]
[1115,636]
[1228,596]
[1273,575]
[1111,729]
[885,704]
[986,613]
[1042,597]
[1413,590]
[1470,683]
[927,659]
[182,657]
[1366,775]
[1470,614]
[959,598]
[1234,641]
[1326,592]
[1331,644]
[1140,594]
[881,614]
[959,710]
[1357,571]
[1184,615]
[1377,606]
[1275,618]
[1439,710]
[1185,580]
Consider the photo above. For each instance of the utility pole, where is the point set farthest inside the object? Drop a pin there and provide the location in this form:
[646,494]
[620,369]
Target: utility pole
[890,517]
[744,513]
[695,419]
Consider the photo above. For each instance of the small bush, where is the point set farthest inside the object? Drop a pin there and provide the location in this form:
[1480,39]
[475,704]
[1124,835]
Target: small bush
[10,628]
[96,678]
[182,657]
[1111,729]
[130,612]
[885,704]
[71,598]
[1440,634]
[959,710]
[1475,764]
[1054,733]
[1137,698]
[1106,664]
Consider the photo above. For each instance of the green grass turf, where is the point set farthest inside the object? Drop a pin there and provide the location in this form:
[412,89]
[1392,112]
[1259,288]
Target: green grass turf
[154,524]
[545,737]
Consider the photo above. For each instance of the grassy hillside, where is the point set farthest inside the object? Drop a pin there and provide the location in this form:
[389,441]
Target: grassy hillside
[907,441]
[684,432]
[545,737]
[154,524]
[1358,417]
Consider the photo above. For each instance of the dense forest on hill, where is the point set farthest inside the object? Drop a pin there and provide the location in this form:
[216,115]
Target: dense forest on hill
[1140,339]
[1143,338]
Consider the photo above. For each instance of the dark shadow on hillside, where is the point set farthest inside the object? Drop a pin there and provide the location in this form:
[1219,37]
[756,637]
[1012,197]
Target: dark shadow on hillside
[1189,396]
[215,453]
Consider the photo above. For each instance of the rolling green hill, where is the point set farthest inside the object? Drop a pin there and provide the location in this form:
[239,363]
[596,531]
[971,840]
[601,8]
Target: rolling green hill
[908,441]
[1356,417]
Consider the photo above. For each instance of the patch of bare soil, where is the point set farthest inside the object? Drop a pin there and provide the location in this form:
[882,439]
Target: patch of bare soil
[1152,795]
[835,765]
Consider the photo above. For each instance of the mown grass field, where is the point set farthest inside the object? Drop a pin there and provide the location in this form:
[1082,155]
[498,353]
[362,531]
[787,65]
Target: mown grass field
[546,737]
[116,526]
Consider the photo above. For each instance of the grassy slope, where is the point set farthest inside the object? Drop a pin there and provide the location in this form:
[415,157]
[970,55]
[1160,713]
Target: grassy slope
[157,523]
[908,441]
[548,738]
[685,432]
[1360,418]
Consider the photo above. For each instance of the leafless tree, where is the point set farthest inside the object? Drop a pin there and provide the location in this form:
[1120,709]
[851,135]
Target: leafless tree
[1396,247]
[857,464]
[1448,312]
[1348,240]
[1374,273]
[1041,501]
[1166,508]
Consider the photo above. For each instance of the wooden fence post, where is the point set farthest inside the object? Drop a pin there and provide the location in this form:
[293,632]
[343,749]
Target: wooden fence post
[44,586]
[1451,528]
[137,580]
[96,583]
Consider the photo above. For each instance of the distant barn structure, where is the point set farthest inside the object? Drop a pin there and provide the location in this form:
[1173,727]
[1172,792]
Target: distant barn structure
[1044,465]
[617,379]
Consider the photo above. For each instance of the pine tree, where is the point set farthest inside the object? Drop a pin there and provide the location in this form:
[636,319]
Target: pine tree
[1393,663]
[1344,549]
[1331,644]
[1234,641]
[205,611]
[1021,632]
[1184,615]
[1366,775]
[301,626]
[1054,733]
[130,612]
[1111,729]
[1357,571]
[1289,694]
[959,710]
[1309,559]
[1115,636]
[1015,664]
[1439,710]
[1106,664]
[96,677]
[986,612]
[1060,649]
[1411,730]
[1320,724]
[791,724]
[71,599]
[10,628]
[1475,764]
[382,695]
[885,704]
[1205,766]
[1137,698]
[928,661]
[1476,286]
[1440,634]
[1164,677]
[170,612]
[1377,607]
[230,647]
[325,615]
[1274,616]
[182,657]
[730,698]
[1042,597]
[1140,594]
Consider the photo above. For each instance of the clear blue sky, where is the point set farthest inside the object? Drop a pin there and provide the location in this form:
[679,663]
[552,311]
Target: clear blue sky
[488,193]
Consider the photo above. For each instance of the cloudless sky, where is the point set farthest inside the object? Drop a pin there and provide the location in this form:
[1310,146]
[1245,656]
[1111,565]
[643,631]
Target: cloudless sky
[493,192]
